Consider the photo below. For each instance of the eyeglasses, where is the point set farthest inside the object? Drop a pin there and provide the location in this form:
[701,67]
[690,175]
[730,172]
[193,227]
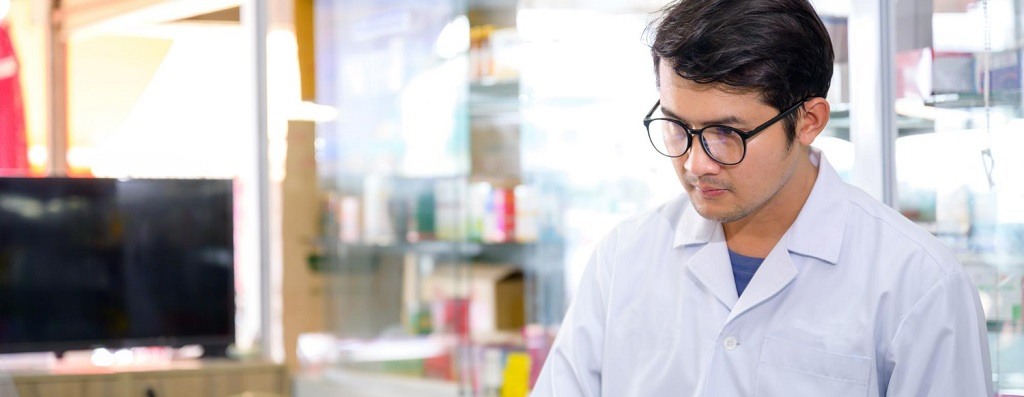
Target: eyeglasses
[724,144]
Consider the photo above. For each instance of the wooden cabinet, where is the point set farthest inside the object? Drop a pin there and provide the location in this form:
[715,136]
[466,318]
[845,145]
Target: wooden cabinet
[168,384]
[71,386]
[187,379]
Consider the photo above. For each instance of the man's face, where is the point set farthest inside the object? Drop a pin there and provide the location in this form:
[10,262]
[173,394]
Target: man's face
[727,193]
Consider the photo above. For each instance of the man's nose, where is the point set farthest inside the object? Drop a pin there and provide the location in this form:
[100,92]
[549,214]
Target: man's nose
[698,162]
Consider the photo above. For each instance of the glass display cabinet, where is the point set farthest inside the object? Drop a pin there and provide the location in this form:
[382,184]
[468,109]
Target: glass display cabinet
[464,184]
[958,96]
[443,253]
[482,149]
[387,167]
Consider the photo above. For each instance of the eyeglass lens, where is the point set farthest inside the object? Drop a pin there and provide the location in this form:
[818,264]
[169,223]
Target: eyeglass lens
[671,139]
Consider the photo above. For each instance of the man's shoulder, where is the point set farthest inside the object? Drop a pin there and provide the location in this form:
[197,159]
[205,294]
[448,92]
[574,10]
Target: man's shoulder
[893,232]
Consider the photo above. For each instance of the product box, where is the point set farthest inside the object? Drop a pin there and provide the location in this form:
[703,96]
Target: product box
[953,73]
[914,73]
[495,150]
[495,292]
[1004,69]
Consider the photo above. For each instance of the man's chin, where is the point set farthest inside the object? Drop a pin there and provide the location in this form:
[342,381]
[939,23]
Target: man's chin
[715,214]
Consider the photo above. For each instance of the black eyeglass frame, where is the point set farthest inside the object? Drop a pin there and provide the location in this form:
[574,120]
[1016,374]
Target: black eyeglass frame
[744,135]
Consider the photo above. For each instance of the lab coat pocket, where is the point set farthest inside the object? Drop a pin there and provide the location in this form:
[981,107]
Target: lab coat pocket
[791,370]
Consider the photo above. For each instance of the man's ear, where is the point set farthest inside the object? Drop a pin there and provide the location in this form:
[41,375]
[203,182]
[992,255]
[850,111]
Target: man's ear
[812,120]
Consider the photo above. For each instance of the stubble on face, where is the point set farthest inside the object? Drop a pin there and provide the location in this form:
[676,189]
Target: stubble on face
[740,209]
[690,183]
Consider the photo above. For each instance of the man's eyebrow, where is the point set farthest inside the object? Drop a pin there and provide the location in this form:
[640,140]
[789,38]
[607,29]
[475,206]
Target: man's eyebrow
[727,120]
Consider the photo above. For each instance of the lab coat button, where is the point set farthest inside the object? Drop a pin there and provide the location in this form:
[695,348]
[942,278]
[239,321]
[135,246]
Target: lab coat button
[730,343]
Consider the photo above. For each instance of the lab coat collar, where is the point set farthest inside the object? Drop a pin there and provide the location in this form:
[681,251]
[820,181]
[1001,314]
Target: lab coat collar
[819,228]
[691,228]
[817,231]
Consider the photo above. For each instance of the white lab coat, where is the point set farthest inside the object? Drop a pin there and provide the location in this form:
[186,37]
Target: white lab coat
[855,300]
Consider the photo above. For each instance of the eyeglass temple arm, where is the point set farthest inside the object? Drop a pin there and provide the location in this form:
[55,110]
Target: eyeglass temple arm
[656,104]
[775,119]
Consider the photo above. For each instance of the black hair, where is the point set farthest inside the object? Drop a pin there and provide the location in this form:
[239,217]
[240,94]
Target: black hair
[777,48]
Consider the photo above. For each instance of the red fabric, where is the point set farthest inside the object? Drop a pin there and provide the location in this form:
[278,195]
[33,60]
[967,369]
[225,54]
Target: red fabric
[13,148]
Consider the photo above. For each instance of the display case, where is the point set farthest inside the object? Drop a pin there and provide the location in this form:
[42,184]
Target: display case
[957,171]
[465,185]
[442,255]
[464,188]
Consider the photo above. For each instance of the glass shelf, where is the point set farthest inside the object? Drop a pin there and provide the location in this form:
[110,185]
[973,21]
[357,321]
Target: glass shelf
[519,254]
[1000,98]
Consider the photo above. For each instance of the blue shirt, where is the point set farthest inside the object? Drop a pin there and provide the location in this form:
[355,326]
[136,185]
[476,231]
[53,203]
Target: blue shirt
[743,269]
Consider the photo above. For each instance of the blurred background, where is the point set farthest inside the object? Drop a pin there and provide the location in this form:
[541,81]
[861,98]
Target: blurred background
[399,196]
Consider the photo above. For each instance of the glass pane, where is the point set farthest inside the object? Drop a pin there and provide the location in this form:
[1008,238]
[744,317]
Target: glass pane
[393,171]
[959,107]
[834,141]
[588,139]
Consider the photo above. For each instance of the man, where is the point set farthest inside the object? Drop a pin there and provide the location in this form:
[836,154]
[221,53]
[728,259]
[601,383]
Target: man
[845,296]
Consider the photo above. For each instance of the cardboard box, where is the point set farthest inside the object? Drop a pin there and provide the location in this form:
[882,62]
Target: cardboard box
[495,150]
[495,293]
[953,72]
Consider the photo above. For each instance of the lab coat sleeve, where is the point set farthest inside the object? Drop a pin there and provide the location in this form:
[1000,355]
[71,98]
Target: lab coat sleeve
[573,366]
[941,347]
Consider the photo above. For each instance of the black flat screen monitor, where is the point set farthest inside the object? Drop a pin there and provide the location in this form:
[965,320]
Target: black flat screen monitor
[87,263]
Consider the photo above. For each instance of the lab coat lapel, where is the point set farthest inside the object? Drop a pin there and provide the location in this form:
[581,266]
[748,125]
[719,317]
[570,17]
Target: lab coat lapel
[817,232]
[775,273]
[710,266]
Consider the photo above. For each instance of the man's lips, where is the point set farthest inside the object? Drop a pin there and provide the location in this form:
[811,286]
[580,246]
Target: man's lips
[709,191]
[707,186]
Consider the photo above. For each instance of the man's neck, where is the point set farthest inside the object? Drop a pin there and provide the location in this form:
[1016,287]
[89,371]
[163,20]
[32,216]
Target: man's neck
[757,233]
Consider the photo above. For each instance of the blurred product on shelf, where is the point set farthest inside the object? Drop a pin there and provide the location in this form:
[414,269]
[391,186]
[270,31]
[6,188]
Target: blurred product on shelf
[490,296]
[494,54]
[480,56]
[517,374]
[391,211]
[13,146]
